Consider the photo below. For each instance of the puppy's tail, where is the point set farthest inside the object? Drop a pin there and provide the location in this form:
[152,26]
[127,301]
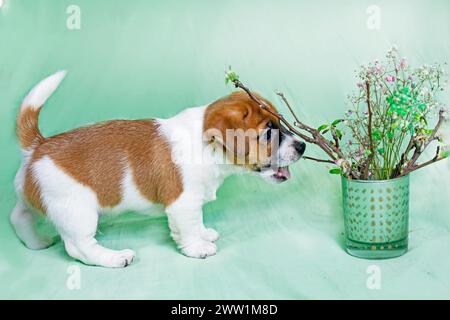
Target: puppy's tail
[27,120]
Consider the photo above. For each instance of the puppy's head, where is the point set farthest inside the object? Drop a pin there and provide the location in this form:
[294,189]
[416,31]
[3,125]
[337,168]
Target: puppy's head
[252,137]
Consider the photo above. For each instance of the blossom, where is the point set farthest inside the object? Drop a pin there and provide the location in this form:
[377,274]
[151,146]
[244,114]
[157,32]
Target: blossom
[344,164]
[378,67]
[403,64]
[392,54]
[390,78]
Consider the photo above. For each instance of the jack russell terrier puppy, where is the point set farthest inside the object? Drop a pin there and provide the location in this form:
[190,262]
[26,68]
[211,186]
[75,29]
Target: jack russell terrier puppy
[121,165]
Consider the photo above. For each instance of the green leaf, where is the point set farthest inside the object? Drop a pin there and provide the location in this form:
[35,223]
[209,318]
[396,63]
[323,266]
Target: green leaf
[445,153]
[338,134]
[322,127]
[336,122]
[376,135]
[381,151]
[424,120]
[335,171]
[390,134]
[231,76]
[401,111]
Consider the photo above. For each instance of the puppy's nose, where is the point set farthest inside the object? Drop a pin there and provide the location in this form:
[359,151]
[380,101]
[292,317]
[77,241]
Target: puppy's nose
[299,147]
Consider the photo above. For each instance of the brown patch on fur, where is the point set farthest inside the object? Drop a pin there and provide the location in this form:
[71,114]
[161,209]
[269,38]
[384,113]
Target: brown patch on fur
[28,129]
[98,155]
[239,111]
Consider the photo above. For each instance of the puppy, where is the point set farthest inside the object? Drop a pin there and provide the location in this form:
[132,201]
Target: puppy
[121,165]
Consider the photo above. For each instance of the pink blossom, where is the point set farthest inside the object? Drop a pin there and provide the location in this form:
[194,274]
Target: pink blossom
[403,64]
[390,79]
[378,68]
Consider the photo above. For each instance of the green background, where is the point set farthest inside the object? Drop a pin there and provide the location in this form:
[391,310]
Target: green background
[140,58]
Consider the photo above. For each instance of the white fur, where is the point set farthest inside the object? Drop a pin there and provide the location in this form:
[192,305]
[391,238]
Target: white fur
[74,208]
[202,174]
[43,90]
[24,222]
[286,153]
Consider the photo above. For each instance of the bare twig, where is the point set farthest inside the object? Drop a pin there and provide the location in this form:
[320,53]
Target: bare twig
[263,105]
[316,139]
[335,138]
[403,158]
[433,136]
[320,139]
[318,160]
[435,159]
[286,102]
[369,132]
[332,149]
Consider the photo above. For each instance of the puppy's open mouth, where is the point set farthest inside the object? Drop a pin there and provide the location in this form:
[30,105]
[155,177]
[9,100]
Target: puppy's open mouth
[282,174]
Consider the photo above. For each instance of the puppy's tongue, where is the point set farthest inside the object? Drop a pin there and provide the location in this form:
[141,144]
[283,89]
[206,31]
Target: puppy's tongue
[283,172]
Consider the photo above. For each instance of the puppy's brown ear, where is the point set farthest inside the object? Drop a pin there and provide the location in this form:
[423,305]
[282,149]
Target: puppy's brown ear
[226,124]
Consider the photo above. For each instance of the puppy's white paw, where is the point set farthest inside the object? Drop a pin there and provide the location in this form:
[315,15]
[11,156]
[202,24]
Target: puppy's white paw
[200,249]
[120,259]
[43,242]
[209,234]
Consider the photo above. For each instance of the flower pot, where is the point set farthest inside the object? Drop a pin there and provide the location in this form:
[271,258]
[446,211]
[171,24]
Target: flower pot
[376,215]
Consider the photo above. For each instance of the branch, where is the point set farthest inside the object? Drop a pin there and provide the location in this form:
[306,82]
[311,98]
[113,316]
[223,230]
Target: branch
[320,139]
[317,138]
[333,151]
[419,149]
[286,102]
[416,167]
[263,105]
[318,160]
[335,138]
[403,158]
[369,132]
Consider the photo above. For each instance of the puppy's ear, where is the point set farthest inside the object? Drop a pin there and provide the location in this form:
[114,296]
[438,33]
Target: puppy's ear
[226,125]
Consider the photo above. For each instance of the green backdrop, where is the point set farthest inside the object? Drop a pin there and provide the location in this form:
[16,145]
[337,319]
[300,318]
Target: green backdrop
[140,58]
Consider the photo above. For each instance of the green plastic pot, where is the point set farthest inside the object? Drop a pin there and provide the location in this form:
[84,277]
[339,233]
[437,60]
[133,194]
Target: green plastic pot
[376,217]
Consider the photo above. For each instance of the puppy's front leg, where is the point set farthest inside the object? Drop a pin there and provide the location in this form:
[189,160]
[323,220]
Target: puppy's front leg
[186,228]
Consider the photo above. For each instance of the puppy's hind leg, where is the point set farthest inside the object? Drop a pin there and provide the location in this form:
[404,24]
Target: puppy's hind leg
[77,226]
[24,222]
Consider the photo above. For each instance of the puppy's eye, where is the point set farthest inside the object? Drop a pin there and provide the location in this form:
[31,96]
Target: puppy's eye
[268,134]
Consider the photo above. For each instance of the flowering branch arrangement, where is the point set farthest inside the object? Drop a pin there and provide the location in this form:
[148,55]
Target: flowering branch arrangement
[388,127]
